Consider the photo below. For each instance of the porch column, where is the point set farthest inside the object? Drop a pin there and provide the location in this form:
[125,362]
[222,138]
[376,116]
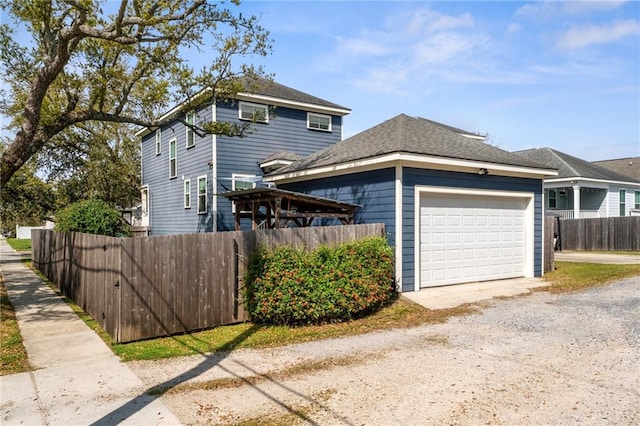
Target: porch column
[576,202]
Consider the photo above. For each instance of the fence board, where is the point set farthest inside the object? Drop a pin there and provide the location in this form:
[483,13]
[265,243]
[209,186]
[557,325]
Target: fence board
[603,234]
[549,231]
[145,287]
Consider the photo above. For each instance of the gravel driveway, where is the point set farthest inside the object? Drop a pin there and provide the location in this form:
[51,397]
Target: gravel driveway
[540,359]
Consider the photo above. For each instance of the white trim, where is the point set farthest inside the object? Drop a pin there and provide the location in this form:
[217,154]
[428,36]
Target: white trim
[188,129]
[214,170]
[175,142]
[398,227]
[595,183]
[184,193]
[255,98]
[292,104]
[529,255]
[275,163]
[146,207]
[158,139]
[253,105]
[206,194]
[238,177]
[314,114]
[413,160]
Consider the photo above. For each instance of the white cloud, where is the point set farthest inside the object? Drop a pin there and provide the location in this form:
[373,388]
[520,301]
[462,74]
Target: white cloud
[513,28]
[426,20]
[549,9]
[579,37]
[361,46]
[445,47]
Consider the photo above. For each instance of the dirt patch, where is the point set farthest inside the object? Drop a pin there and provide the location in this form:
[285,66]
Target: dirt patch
[538,359]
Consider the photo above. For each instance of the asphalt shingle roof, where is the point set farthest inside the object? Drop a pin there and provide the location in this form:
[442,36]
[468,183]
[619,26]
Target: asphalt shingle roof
[572,167]
[413,135]
[264,87]
[626,166]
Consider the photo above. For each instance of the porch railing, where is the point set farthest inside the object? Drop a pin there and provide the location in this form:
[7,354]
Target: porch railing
[584,214]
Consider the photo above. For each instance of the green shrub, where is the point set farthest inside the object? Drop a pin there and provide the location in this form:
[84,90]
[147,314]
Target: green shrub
[92,217]
[289,286]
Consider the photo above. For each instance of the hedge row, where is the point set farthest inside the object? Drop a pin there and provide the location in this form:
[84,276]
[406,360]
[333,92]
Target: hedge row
[290,286]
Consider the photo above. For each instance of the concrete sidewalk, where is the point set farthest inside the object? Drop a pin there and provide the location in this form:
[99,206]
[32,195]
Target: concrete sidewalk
[77,379]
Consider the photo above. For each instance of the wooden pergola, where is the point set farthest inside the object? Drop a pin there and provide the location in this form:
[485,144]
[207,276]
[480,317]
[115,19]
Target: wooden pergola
[271,208]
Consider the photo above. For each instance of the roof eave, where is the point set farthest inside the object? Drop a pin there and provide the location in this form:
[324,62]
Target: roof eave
[413,160]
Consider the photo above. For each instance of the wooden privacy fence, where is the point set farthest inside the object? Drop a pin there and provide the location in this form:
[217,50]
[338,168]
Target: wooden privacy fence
[606,234]
[145,287]
[549,230]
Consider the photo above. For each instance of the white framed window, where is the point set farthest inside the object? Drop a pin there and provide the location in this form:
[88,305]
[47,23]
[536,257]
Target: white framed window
[552,199]
[318,122]
[173,159]
[623,202]
[253,112]
[187,193]
[144,198]
[158,141]
[636,204]
[191,135]
[240,182]
[202,194]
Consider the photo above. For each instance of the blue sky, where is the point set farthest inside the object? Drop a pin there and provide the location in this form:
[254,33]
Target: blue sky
[564,75]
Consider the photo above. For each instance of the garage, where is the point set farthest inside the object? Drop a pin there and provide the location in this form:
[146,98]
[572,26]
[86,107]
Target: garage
[466,237]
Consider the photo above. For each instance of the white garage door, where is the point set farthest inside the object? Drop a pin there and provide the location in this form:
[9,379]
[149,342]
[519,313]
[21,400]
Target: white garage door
[466,238]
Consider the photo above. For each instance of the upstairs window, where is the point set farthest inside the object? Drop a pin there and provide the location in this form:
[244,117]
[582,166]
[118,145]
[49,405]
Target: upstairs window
[173,160]
[187,193]
[158,141]
[191,135]
[202,194]
[623,202]
[552,199]
[253,112]
[319,122]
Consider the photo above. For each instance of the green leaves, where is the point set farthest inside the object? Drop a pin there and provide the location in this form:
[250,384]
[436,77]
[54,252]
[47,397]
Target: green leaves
[92,217]
[292,287]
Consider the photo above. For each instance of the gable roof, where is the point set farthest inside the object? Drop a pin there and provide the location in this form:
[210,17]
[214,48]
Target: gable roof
[412,135]
[625,166]
[572,167]
[262,90]
[257,88]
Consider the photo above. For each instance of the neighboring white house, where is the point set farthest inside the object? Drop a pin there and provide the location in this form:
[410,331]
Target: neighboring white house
[583,189]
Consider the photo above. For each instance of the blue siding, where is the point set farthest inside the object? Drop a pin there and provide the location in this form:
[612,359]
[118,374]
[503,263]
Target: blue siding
[166,205]
[413,177]
[374,191]
[286,131]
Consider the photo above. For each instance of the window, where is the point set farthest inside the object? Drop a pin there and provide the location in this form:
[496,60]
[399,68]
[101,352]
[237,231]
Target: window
[253,112]
[187,193]
[173,160]
[552,199]
[623,202]
[191,135]
[319,122]
[144,196]
[239,182]
[202,194]
[636,203]
[158,141]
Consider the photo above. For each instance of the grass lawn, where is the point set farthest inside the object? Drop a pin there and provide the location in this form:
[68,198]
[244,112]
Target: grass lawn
[13,355]
[570,276]
[19,244]
[567,277]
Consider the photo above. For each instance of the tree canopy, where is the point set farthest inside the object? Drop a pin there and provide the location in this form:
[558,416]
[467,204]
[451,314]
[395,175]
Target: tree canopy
[89,62]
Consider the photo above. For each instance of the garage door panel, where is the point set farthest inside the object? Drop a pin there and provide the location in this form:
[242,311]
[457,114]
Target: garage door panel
[477,238]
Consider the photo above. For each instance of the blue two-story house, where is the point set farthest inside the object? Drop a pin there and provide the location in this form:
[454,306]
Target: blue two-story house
[183,172]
